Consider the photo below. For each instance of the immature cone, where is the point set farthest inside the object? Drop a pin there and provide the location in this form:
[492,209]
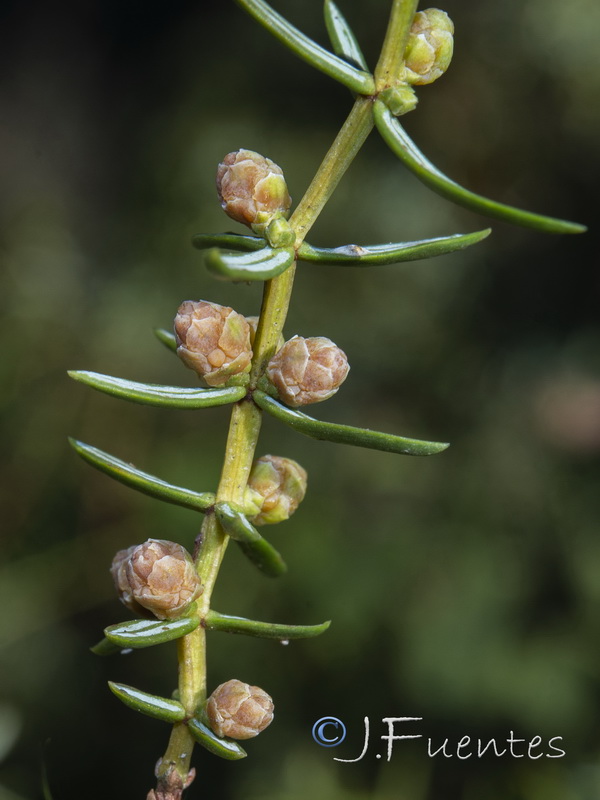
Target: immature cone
[158,575]
[119,574]
[429,47]
[307,370]
[276,487]
[238,710]
[251,188]
[213,340]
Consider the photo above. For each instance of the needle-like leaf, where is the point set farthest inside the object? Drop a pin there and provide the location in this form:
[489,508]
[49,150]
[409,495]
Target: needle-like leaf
[254,546]
[393,253]
[142,481]
[140,633]
[264,630]
[150,704]
[346,434]
[225,748]
[166,337]
[154,395]
[341,36]
[355,79]
[228,241]
[402,145]
[261,265]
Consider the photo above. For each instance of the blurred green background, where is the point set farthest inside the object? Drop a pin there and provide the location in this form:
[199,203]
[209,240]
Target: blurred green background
[463,588]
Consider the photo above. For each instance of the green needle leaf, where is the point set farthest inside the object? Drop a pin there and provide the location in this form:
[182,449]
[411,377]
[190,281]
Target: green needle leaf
[225,748]
[346,434]
[140,633]
[355,79]
[402,145]
[105,648]
[154,395]
[167,338]
[228,241]
[150,704]
[341,36]
[261,265]
[265,630]
[353,255]
[136,479]
[253,545]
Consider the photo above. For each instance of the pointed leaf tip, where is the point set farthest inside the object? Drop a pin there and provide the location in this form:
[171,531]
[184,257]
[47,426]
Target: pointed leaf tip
[347,434]
[355,79]
[141,481]
[353,255]
[403,146]
[341,36]
[158,395]
[152,705]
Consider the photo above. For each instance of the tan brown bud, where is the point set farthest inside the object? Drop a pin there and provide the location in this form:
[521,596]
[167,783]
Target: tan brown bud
[118,571]
[307,370]
[251,188]
[276,487]
[157,575]
[238,710]
[213,340]
[429,47]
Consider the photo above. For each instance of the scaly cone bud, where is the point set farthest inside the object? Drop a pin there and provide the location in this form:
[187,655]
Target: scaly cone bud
[158,575]
[252,189]
[238,710]
[307,370]
[276,487]
[429,47]
[213,340]
[119,574]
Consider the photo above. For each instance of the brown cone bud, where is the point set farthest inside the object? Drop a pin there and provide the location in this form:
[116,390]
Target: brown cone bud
[251,188]
[429,47]
[158,575]
[239,711]
[307,370]
[276,487]
[213,340]
[118,571]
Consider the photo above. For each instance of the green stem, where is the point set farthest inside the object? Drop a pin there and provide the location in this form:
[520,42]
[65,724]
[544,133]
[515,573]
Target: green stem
[246,416]
[277,292]
[389,67]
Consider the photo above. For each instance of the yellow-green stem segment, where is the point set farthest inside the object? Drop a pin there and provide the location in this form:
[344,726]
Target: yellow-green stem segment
[246,417]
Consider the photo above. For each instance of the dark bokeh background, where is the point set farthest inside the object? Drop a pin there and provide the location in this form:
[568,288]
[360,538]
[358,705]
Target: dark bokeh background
[465,588]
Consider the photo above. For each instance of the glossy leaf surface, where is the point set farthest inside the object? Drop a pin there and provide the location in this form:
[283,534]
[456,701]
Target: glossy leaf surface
[140,633]
[225,748]
[355,79]
[142,481]
[342,37]
[346,434]
[261,265]
[106,648]
[402,145]
[155,395]
[264,630]
[353,255]
[254,546]
[228,241]
[151,704]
